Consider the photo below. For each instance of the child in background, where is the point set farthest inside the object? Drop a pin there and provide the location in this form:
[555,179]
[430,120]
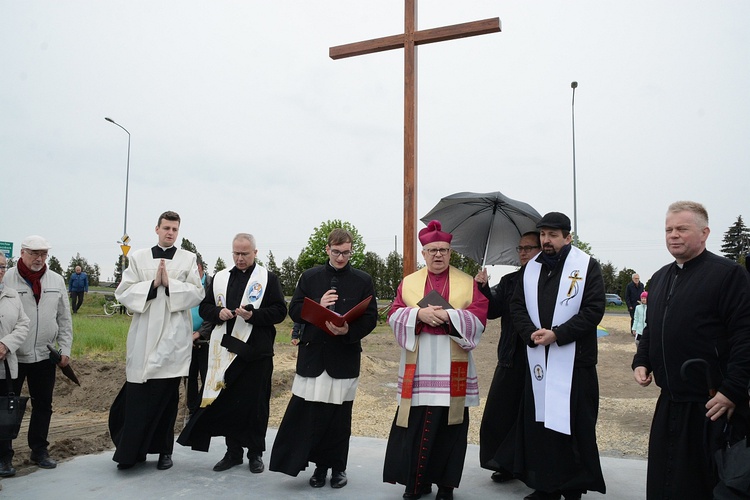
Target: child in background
[639,318]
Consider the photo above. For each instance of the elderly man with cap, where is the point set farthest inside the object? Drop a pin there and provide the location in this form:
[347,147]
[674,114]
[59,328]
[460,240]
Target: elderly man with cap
[556,309]
[438,317]
[45,301]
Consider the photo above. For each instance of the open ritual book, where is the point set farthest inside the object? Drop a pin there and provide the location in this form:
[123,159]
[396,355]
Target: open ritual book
[314,313]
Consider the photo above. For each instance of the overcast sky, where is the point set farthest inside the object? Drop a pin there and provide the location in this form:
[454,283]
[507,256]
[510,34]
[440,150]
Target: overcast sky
[242,123]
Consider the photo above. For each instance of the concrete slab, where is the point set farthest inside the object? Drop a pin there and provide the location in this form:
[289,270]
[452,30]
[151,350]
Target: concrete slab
[97,477]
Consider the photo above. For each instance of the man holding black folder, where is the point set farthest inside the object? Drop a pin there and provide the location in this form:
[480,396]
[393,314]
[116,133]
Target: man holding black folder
[438,317]
[317,424]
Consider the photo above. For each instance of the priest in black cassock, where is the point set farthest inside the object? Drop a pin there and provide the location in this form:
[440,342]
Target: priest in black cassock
[698,309]
[556,309]
[244,304]
[160,286]
[506,392]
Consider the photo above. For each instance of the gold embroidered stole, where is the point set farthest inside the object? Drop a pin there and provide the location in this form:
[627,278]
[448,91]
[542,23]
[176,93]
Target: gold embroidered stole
[460,296]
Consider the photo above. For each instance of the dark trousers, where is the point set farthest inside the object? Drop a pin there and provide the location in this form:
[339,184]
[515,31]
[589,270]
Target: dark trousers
[40,378]
[198,366]
[76,300]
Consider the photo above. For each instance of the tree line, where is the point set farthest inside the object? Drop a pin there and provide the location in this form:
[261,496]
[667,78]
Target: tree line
[386,273]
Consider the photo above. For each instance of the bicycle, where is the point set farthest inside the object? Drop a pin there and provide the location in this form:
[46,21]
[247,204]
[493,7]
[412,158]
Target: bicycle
[112,306]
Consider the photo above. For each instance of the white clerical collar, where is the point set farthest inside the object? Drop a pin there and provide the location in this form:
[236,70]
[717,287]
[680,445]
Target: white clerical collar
[164,248]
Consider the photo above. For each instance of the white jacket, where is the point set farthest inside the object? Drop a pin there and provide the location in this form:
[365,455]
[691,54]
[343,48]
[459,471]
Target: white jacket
[14,328]
[50,320]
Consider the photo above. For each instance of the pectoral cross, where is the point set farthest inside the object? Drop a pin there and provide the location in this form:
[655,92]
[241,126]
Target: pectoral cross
[409,41]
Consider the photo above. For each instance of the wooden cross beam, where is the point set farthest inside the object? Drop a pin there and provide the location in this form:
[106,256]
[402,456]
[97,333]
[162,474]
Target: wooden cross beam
[409,40]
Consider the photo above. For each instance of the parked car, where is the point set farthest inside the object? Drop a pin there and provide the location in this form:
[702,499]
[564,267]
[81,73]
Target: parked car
[613,299]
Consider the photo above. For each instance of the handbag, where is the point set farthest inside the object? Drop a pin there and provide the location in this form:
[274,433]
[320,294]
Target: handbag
[733,467]
[12,408]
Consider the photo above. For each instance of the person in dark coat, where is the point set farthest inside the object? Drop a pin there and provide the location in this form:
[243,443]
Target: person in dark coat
[317,423]
[698,312]
[244,303]
[556,309]
[633,295]
[506,391]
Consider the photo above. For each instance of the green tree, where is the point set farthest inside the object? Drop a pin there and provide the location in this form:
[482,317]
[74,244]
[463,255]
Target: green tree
[190,247]
[394,271]
[272,264]
[315,252]
[609,273]
[736,241]
[220,265]
[54,265]
[582,245]
[288,276]
[120,266]
[467,265]
[91,271]
[374,265]
[11,263]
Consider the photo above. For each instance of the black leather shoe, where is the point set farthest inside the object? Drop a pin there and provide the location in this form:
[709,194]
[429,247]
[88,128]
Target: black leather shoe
[6,468]
[318,479]
[256,465]
[125,466]
[502,476]
[571,495]
[444,493]
[165,461]
[227,463]
[425,489]
[43,460]
[542,495]
[338,479]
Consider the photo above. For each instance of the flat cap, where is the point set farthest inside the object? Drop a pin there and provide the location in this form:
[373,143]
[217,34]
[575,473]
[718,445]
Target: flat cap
[554,220]
[35,242]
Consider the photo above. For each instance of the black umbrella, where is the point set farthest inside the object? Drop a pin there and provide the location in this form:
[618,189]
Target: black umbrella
[56,357]
[485,227]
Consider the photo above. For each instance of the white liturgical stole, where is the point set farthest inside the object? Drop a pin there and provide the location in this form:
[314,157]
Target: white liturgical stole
[551,377]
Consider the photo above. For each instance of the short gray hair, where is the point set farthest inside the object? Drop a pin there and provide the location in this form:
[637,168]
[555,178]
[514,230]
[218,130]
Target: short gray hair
[245,236]
[700,212]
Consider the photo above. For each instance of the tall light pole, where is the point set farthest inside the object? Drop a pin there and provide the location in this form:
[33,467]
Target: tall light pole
[125,238]
[574,85]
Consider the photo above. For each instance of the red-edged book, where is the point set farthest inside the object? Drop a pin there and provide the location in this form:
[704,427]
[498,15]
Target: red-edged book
[314,313]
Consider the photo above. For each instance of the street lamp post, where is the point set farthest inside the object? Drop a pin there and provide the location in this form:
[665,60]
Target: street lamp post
[125,237]
[574,85]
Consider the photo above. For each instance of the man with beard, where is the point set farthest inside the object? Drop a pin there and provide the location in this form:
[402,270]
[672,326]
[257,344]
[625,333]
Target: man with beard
[437,317]
[244,304]
[160,286]
[556,310]
[45,301]
[698,309]
[506,391]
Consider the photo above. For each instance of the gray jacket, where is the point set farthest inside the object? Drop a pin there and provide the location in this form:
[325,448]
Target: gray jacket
[14,328]
[50,320]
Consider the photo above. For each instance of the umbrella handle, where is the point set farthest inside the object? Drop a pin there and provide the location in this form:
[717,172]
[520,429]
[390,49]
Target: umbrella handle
[706,368]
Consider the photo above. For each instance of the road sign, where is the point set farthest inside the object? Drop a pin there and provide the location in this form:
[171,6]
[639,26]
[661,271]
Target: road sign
[6,247]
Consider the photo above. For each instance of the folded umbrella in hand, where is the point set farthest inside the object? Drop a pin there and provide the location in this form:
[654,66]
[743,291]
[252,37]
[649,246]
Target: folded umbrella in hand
[56,357]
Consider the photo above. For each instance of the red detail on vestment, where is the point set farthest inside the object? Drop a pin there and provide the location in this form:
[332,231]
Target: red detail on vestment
[407,385]
[459,370]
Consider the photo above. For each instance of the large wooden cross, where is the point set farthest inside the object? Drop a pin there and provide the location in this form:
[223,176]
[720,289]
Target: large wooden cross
[409,40]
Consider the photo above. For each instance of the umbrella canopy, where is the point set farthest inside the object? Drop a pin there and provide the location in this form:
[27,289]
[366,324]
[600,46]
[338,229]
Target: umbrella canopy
[485,227]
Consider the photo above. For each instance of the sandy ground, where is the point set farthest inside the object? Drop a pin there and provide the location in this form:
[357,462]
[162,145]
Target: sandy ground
[79,424]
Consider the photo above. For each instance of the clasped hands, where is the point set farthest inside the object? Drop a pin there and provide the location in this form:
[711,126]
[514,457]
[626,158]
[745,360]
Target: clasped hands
[543,336]
[227,314]
[433,315]
[162,277]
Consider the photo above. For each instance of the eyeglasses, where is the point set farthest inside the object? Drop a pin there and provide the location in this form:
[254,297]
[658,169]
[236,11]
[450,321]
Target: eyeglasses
[434,251]
[3,268]
[346,253]
[38,253]
[527,248]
